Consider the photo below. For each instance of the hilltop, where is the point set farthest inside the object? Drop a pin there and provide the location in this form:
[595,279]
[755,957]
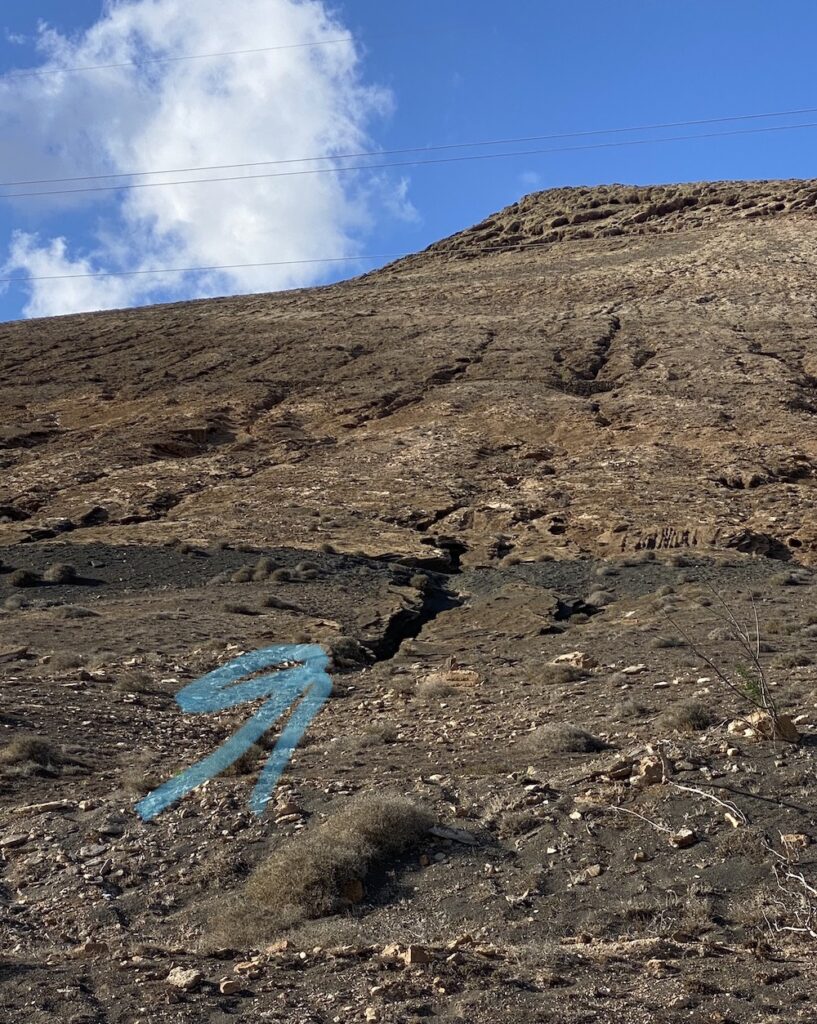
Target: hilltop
[506,484]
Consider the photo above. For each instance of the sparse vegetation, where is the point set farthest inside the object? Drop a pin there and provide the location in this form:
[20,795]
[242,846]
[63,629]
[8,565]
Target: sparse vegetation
[23,578]
[347,652]
[29,748]
[324,869]
[74,611]
[690,716]
[60,572]
[561,738]
[558,674]
[239,608]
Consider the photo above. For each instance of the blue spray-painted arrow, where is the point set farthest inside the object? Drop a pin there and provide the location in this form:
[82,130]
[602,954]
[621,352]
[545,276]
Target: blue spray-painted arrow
[221,689]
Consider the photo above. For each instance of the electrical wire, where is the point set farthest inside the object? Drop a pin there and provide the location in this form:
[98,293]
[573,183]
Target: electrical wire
[169,60]
[429,252]
[417,149]
[410,163]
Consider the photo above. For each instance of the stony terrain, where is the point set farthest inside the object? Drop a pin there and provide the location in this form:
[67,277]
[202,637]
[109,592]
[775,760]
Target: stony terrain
[566,433]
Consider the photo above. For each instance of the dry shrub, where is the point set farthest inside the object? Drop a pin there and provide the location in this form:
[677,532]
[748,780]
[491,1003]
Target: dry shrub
[62,660]
[796,659]
[60,572]
[347,652]
[419,581]
[561,738]
[433,689]
[554,675]
[237,608]
[600,598]
[322,870]
[242,575]
[263,569]
[271,601]
[23,578]
[29,748]
[281,575]
[75,611]
[661,642]
[689,717]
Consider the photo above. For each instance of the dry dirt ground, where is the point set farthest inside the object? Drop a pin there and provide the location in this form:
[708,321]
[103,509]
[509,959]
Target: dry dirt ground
[567,431]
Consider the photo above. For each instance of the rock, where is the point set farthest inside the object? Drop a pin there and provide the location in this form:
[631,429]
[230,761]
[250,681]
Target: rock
[91,948]
[370,1013]
[230,986]
[783,729]
[12,654]
[457,835]
[632,670]
[733,820]
[760,725]
[390,952]
[795,840]
[185,979]
[416,955]
[650,771]
[13,840]
[683,838]
[576,659]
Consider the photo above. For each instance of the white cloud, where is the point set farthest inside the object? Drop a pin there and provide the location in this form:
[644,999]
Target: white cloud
[279,105]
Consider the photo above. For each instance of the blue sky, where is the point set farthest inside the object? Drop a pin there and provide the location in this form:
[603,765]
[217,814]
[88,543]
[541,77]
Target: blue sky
[428,72]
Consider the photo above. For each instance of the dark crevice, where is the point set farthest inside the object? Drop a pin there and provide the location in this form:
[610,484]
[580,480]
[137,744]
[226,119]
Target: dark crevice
[409,622]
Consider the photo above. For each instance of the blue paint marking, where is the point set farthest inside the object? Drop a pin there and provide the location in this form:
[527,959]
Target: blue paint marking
[221,689]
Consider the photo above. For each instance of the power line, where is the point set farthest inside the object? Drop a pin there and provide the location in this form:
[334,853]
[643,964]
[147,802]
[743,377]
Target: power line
[460,251]
[410,163]
[417,149]
[201,270]
[169,60]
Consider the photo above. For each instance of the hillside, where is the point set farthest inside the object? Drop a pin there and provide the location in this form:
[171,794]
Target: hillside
[565,433]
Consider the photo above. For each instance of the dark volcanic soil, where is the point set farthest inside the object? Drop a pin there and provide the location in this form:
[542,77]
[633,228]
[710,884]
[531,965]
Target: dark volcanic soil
[450,474]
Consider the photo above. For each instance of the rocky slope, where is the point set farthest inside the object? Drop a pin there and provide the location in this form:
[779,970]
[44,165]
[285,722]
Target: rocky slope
[506,483]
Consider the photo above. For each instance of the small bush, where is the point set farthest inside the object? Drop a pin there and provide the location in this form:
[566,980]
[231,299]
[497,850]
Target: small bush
[435,690]
[785,579]
[561,738]
[263,569]
[554,675]
[237,608]
[306,567]
[322,870]
[29,748]
[61,660]
[606,570]
[75,611]
[14,603]
[631,708]
[689,717]
[23,578]
[328,549]
[281,575]
[663,642]
[419,581]
[347,652]
[797,659]
[60,572]
[599,598]
[271,601]
[308,574]
[242,575]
